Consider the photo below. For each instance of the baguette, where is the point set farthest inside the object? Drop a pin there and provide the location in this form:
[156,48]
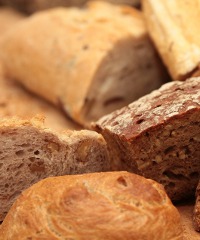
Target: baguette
[114,206]
[158,137]
[174,26]
[56,55]
[29,152]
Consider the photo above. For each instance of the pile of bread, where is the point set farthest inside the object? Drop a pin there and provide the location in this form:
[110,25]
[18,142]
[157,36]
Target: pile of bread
[100,119]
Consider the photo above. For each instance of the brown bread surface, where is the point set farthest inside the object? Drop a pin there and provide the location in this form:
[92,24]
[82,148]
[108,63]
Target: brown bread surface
[113,206]
[158,136]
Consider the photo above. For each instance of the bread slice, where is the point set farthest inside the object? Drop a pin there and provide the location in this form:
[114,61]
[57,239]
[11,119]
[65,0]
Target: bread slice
[158,137]
[196,214]
[36,5]
[174,26]
[112,205]
[16,101]
[85,60]
[29,152]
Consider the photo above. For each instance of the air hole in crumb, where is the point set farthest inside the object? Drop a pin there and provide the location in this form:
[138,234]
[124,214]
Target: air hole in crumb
[174,176]
[20,153]
[158,106]
[122,181]
[140,121]
[194,175]
[32,159]
[146,134]
[178,89]
[6,185]
[169,149]
[36,152]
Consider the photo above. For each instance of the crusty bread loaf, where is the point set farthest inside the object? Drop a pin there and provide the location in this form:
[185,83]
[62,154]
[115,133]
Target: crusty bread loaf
[16,101]
[113,205]
[174,26]
[35,5]
[29,152]
[158,137]
[196,214]
[90,61]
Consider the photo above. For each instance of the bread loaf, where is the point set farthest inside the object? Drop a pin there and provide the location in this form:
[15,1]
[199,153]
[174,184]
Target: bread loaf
[16,101]
[115,205]
[90,61]
[196,215]
[29,152]
[35,5]
[158,137]
[174,26]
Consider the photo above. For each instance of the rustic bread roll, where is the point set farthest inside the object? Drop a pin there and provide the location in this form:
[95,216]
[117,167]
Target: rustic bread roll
[90,61]
[35,5]
[28,153]
[174,26]
[113,205]
[196,214]
[158,137]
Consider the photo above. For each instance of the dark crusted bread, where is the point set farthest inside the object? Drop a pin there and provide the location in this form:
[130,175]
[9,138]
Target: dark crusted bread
[29,152]
[158,136]
[196,213]
[98,206]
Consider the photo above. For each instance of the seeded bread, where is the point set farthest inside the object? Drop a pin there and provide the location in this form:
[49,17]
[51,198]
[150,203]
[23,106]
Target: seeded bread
[113,205]
[158,137]
[35,5]
[196,215]
[29,152]
[174,26]
[56,54]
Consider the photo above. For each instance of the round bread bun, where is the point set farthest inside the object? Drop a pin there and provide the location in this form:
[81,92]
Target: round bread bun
[106,206]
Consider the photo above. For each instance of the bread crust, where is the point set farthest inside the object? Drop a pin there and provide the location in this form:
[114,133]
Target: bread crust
[57,55]
[29,152]
[115,205]
[173,26]
[158,136]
